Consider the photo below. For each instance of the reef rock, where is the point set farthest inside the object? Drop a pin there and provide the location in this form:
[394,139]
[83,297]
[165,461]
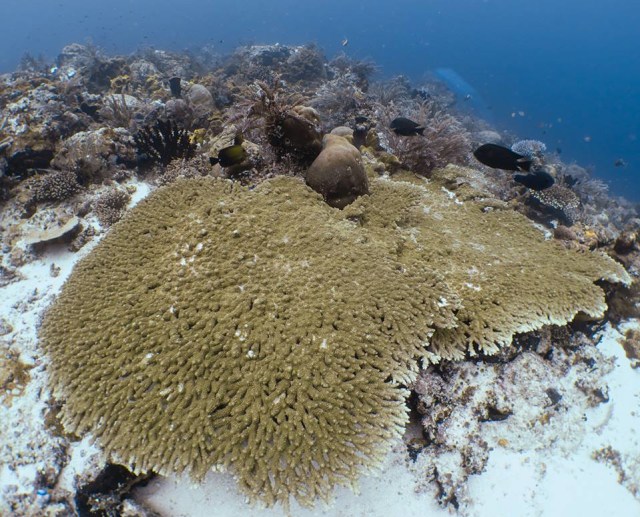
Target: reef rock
[337,173]
[93,155]
[34,120]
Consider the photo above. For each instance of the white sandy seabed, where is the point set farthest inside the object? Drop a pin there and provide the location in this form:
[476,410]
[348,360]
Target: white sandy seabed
[559,478]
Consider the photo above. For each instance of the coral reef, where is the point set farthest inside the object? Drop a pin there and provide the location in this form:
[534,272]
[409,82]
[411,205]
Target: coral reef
[244,323]
[279,373]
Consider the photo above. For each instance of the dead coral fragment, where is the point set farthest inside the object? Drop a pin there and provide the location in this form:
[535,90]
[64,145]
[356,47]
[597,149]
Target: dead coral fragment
[256,329]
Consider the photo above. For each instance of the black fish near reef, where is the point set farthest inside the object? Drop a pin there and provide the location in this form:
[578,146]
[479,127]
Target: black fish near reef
[405,127]
[175,85]
[499,157]
[537,180]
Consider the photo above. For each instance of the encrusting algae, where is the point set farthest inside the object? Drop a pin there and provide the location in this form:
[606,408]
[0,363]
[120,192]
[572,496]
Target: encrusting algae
[263,331]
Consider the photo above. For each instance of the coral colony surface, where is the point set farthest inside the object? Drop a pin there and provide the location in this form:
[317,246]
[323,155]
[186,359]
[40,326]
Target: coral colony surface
[270,265]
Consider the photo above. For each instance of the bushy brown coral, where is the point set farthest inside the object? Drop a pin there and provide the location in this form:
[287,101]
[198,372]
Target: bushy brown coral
[55,186]
[290,128]
[111,206]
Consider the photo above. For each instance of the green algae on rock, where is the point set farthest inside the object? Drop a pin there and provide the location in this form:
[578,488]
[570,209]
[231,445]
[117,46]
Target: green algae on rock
[265,332]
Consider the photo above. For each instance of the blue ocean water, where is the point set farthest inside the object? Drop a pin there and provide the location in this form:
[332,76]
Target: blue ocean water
[564,72]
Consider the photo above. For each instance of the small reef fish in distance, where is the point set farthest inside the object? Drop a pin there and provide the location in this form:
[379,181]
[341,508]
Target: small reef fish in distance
[619,163]
[537,180]
[175,86]
[344,42]
[499,157]
[405,127]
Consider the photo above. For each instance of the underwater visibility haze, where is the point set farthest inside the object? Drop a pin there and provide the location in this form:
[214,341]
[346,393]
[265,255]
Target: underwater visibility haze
[566,73]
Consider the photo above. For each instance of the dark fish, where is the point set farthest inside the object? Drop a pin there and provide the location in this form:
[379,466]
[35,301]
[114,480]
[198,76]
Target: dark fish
[499,157]
[175,86]
[405,127]
[228,156]
[619,163]
[538,180]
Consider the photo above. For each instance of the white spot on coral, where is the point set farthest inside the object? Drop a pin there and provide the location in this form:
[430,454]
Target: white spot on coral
[241,287]
[251,354]
[180,388]
[285,239]
[473,270]
[277,399]
[183,261]
[442,302]
[149,355]
[452,196]
[472,286]
[199,247]
[324,343]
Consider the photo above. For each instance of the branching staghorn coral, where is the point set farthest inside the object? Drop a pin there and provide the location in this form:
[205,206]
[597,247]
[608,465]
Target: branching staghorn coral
[265,332]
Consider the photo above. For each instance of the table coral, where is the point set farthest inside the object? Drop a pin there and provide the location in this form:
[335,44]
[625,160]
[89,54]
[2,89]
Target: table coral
[263,331]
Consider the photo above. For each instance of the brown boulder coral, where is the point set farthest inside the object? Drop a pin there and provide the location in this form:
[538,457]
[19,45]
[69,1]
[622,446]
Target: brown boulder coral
[337,173]
[263,331]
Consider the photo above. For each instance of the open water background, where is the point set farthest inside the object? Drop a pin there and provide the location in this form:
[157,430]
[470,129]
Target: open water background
[571,67]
